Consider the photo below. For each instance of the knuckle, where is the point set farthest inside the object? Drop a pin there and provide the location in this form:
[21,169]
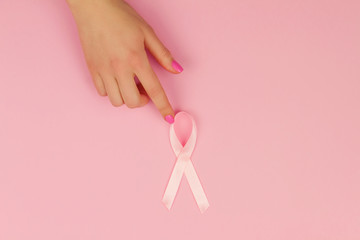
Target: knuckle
[116,102]
[149,28]
[92,63]
[131,106]
[138,37]
[165,53]
[134,103]
[135,60]
[97,66]
[115,64]
[131,58]
[155,92]
[102,92]
[99,86]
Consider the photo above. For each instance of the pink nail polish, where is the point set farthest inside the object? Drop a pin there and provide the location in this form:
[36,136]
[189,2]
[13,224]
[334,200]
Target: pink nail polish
[177,66]
[169,119]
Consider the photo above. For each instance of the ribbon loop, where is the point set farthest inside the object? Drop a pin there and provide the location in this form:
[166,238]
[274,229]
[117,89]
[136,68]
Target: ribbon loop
[183,166]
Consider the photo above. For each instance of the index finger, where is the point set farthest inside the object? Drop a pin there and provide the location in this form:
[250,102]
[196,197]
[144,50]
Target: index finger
[155,91]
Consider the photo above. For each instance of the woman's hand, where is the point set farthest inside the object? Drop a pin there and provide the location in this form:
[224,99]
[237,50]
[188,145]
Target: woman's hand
[114,38]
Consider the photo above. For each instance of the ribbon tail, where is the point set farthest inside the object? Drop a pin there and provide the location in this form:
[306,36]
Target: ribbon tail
[174,181]
[196,187]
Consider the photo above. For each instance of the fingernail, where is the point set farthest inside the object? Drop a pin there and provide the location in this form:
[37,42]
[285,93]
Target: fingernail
[169,119]
[177,66]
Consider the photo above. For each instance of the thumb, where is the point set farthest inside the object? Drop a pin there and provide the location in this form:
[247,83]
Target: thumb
[160,52]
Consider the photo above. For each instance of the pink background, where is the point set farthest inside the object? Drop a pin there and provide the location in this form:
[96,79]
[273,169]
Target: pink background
[274,88]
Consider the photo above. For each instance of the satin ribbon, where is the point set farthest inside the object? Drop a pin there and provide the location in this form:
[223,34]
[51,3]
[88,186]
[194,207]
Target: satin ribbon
[183,166]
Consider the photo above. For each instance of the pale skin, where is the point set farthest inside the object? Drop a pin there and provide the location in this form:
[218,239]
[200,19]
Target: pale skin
[114,38]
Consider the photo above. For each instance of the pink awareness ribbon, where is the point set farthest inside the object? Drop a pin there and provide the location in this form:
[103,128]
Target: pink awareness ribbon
[183,166]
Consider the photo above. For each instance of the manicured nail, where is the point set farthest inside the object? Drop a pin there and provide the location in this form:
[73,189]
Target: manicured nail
[169,119]
[177,66]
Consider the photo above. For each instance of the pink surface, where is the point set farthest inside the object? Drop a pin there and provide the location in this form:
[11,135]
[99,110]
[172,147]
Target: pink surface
[273,85]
